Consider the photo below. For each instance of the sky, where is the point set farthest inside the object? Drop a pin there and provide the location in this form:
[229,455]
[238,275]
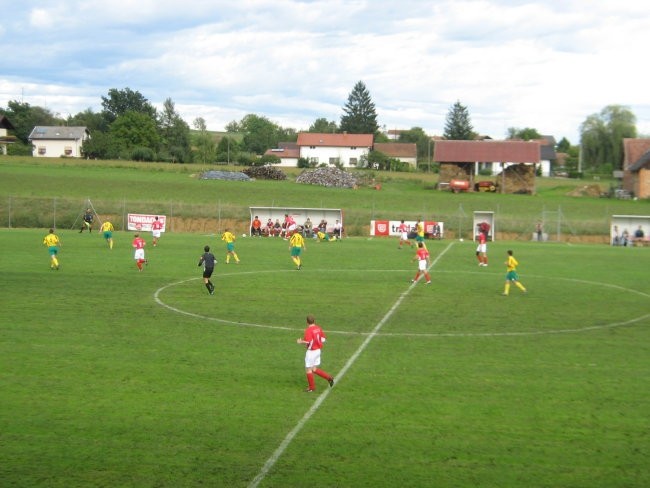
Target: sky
[544,65]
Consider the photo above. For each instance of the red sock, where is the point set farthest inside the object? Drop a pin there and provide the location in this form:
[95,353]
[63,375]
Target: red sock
[139,264]
[310,380]
[323,374]
[427,276]
[417,275]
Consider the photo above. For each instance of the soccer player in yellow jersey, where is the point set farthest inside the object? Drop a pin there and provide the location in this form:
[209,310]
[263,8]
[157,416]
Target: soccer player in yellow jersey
[511,275]
[107,231]
[419,233]
[296,245]
[52,242]
[229,238]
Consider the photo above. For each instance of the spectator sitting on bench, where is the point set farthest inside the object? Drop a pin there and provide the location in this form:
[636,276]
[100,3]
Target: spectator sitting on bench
[639,236]
[338,229]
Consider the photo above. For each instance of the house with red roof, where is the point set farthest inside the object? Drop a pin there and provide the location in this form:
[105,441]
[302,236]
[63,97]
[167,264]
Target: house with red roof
[5,138]
[406,152]
[636,167]
[347,150]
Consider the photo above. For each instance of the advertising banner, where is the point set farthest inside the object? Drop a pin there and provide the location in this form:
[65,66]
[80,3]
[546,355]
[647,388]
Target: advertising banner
[143,222]
[432,229]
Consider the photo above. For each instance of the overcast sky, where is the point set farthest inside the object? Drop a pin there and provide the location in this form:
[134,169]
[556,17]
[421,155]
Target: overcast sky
[541,64]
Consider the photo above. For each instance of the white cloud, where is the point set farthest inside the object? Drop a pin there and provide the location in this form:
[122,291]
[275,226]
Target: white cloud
[546,65]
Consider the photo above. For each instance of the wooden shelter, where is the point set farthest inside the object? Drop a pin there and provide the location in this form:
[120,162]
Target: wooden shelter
[518,159]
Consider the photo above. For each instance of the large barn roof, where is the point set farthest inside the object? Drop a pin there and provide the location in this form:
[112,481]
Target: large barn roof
[487,151]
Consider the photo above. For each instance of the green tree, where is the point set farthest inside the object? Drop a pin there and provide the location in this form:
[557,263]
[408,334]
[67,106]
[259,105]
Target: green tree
[133,130]
[526,134]
[458,126]
[360,116]
[24,118]
[118,102]
[601,137]
[421,139]
[175,134]
[227,150]
[204,143]
[100,146]
[260,133]
[563,145]
[93,121]
[323,126]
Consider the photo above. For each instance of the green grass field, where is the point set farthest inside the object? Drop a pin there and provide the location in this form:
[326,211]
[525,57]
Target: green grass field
[115,378]
[45,192]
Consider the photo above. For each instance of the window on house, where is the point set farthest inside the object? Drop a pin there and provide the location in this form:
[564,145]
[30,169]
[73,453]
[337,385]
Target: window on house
[41,150]
[313,160]
[353,161]
[335,160]
[67,151]
[353,147]
[312,147]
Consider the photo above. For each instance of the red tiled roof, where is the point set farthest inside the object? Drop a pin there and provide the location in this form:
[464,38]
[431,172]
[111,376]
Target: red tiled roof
[284,152]
[397,149]
[334,140]
[486,151]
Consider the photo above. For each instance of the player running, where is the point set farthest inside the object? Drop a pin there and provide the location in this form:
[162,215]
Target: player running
[511,275]
[314,338]
[52,242]
[229,238]
[139,243]
[422,257]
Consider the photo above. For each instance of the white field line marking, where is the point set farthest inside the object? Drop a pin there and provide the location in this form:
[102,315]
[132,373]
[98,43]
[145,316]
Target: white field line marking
[422,334]
[270,462]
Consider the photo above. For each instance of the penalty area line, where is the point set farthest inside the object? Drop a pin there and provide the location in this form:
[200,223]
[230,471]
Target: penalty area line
[270,462]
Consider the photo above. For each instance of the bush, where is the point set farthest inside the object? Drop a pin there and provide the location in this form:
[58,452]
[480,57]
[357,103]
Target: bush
[142,154]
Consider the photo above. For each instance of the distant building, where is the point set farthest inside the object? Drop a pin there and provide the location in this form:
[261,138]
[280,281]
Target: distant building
[636,167]
[5,138]
[347,150]
[288,152]
[406,152]
[58,141]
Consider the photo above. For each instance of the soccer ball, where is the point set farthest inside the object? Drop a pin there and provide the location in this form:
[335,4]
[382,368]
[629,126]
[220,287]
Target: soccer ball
[243,235]
[461,239]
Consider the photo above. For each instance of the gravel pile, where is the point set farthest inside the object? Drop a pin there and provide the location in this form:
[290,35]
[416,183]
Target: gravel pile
[224,175]
[265,173]
[333,177]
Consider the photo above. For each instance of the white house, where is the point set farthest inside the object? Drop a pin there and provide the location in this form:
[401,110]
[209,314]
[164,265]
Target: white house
[345,149]
[54,142]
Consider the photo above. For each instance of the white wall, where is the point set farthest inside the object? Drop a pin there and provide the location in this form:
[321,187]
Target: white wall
[55,149]
[323,154]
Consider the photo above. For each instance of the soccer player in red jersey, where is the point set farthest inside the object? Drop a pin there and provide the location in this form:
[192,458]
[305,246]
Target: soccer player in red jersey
[403,234]
[481,249]
[138,243]
[156,229]
[313,338]
[422,257]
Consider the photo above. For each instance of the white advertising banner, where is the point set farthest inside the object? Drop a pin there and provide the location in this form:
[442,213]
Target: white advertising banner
[143,222]
[432,229]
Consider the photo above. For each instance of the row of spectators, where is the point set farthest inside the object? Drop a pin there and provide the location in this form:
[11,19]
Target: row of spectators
[287,227]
